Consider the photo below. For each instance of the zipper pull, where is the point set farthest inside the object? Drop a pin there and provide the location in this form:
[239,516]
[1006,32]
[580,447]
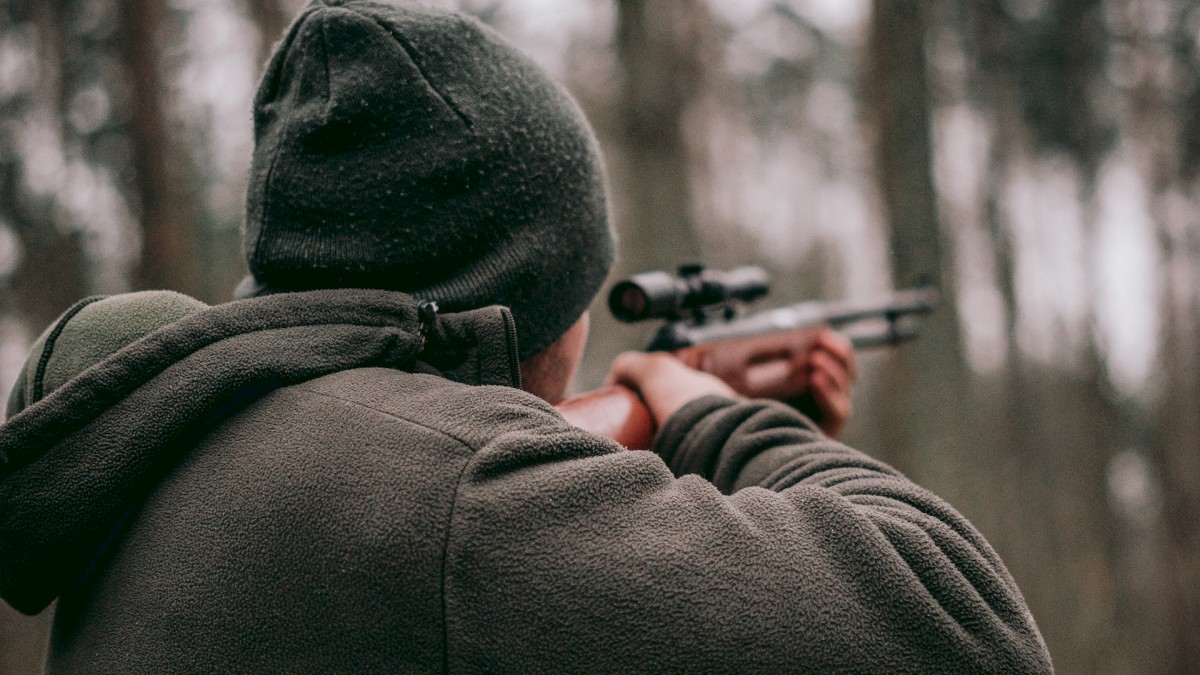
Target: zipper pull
[427,313]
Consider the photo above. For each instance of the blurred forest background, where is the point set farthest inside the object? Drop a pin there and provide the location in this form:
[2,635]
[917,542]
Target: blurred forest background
[1039,159]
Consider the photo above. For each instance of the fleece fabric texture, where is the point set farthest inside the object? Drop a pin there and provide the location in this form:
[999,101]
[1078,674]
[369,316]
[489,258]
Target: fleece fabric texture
[413,149]
[323,482]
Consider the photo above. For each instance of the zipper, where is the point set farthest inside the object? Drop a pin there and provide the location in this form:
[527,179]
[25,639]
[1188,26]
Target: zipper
[514,357]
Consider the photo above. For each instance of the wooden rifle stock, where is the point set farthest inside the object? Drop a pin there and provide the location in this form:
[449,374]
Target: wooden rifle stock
[614,412]
[755,355]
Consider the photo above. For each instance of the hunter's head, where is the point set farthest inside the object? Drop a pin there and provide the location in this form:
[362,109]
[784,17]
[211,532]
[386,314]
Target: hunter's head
[415,150]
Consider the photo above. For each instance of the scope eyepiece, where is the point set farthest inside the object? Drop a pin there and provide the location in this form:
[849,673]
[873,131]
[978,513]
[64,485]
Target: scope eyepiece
[694,291]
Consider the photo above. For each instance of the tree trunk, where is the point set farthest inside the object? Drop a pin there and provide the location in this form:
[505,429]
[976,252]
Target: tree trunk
[660,47]
[53,270]
[272,20]
[923,390]
[1178,441]
[1177,425]
[164,204]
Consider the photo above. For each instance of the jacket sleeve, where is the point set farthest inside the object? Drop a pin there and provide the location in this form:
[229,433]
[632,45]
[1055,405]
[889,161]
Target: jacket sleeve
[754,544]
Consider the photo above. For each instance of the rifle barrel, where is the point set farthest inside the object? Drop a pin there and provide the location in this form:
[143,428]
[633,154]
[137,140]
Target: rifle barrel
[838,314]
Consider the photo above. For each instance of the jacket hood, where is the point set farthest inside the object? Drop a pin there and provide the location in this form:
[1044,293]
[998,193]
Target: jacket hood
[118,390]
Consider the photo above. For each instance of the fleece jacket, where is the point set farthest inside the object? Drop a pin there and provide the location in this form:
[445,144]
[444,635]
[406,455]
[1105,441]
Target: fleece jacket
[338,481]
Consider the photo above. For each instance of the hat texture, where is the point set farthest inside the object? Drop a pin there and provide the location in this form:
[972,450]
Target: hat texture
[412,149]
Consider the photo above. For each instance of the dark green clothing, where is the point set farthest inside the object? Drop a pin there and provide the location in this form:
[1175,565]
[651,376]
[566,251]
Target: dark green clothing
[321,482]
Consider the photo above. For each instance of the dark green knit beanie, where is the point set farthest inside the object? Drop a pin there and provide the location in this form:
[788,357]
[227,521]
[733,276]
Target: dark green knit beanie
[412,149]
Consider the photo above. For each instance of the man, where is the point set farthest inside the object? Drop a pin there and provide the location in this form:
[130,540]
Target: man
[339,475]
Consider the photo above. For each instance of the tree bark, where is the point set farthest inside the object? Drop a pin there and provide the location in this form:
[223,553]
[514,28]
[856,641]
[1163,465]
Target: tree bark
[52,273]
[923,390]
[660,48]
[1172,122]
[165,205]
[53,270]
[1178,443]
[272,20]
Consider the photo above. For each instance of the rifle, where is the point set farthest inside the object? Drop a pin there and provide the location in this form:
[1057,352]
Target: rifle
[706,328]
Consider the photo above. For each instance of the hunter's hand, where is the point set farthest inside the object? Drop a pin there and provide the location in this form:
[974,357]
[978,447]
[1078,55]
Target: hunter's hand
[664,382]
[811,370]
[830,371]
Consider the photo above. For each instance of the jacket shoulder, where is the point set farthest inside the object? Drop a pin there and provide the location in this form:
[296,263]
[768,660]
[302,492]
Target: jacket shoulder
[473,415]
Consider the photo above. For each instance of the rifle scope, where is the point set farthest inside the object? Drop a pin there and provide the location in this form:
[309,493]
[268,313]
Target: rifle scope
[692,293]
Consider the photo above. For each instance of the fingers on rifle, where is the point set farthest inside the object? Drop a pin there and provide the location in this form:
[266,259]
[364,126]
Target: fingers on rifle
[838,346]
[831,388]
[835,405]
[831,369]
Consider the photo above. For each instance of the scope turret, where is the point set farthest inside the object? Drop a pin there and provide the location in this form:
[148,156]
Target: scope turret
[694,292]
